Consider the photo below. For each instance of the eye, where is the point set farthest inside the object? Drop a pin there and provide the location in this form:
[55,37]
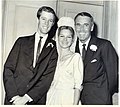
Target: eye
[77,24]
[61,36]
[69,37]
[86,24]
[42,18]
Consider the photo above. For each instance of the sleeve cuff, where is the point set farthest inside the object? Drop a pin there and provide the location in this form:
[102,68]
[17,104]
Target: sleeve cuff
[30,99]
[79,87]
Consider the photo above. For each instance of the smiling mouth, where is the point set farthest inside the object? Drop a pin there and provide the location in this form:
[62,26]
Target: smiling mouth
[45,27]
[81,33]
[64,43]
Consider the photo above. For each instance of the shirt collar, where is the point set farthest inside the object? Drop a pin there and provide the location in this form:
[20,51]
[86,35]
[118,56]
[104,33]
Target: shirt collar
[87,42]
[38,35]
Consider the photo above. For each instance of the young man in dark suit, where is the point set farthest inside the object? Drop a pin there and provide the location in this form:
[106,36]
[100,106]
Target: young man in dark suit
[30,66]
[100,60]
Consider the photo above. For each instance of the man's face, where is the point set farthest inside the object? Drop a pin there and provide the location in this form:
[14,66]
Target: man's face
[45,22]
[83,27]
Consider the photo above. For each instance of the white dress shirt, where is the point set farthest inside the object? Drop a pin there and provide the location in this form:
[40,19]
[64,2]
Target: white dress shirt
[37,37]
[81,45]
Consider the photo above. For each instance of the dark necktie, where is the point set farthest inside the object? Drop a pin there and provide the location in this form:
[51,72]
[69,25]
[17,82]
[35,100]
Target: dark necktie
[38,49]
[83,51]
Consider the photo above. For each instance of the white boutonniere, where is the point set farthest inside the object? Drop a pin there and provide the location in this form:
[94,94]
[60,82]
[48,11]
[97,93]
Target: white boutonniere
[93,47]
[50,44]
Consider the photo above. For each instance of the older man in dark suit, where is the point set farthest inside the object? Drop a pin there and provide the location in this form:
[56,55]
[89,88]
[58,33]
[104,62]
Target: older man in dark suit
[30,66]
[100,79]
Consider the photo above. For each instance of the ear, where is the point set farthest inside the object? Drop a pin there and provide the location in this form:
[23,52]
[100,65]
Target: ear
[38,21]
[92,27]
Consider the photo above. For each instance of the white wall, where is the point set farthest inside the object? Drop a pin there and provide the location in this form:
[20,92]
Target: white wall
[111,22]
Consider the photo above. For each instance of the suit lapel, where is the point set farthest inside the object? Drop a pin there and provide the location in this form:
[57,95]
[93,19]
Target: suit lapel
[77,46]
[31,47]
[90,53]
[45,51]
[29,51]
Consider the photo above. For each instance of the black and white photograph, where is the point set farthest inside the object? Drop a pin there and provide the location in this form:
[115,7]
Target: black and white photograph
[59,52]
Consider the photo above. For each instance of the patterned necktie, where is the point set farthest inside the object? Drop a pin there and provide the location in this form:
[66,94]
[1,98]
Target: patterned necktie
[83,51]
[38,49]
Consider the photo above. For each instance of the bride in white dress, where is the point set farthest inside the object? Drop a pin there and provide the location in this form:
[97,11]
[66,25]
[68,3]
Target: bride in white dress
[66,85]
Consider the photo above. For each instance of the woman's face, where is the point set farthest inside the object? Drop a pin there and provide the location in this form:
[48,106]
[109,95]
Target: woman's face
[65,39]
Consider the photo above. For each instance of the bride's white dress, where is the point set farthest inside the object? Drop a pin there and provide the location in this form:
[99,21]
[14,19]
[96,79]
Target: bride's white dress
[68,75]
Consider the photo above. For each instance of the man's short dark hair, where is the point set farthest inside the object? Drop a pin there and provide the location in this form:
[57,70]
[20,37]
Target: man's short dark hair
[47,9]
[84,14]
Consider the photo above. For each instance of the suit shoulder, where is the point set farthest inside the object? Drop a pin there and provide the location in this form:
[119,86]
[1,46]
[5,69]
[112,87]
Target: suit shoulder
[25,38]
[103,41]
[105,44]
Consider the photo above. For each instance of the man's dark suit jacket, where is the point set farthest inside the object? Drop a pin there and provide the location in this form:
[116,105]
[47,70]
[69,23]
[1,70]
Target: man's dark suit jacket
[100,79]
[19,75]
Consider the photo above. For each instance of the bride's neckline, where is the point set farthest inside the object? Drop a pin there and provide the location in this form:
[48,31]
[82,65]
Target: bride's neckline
[65,57]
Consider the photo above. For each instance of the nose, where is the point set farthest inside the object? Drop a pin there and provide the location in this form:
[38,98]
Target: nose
[82,28]
[65,39]
[46,22]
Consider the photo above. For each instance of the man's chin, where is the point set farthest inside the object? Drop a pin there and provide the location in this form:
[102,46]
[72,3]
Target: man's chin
[83,41]
[44,32]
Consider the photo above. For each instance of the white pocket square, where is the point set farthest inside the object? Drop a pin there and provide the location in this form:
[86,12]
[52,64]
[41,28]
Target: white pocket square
[94,60]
